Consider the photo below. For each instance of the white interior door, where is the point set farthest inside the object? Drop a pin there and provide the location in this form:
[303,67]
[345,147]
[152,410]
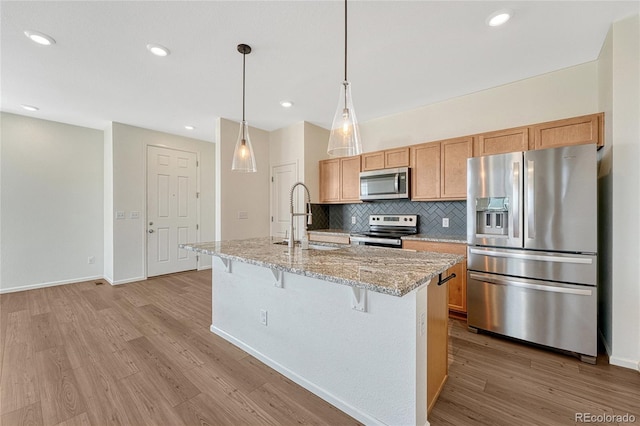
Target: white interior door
[282,179]
[171,210]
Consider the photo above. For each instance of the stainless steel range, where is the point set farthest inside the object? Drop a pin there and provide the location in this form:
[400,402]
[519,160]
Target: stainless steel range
[387,230]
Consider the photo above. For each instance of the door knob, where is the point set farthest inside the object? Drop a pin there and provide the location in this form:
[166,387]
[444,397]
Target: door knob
[151,231]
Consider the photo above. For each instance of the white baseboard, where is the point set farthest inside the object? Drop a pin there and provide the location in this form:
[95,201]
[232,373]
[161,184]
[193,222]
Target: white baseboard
[204,268]
[127,281]
[320,392]
[49,284]
[626,363]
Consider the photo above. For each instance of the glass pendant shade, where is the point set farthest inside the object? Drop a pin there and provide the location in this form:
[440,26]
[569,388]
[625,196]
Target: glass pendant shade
[344,139]
[243,158]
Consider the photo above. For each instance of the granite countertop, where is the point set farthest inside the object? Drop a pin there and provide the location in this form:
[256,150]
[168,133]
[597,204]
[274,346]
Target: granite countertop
[416,237]
[437,239]
[384,270]
[336,232]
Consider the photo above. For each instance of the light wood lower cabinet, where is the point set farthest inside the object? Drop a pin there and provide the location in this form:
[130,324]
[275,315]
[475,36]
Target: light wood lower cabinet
[437,341]
[458,285]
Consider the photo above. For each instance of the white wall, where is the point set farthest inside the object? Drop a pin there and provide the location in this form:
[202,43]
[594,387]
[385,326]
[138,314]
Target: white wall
[52,203]
[235,191]
[619,181]
[108,204]
[316,140]
[565,93]
[129,145]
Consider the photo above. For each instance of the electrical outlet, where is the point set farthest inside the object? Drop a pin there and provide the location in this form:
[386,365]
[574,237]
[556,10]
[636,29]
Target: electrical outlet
[119,215]
[263,317]
[91,260]
[134,215]
[445,222]
[353,220]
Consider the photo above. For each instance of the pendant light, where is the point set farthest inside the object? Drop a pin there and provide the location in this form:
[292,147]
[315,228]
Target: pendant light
[243,158]
[344,139]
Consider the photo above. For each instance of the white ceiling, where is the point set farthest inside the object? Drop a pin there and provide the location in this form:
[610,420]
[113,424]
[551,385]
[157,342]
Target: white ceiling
[402,55]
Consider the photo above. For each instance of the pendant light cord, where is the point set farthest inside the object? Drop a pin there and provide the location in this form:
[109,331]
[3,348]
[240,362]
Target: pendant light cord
[345,40]
[244,55]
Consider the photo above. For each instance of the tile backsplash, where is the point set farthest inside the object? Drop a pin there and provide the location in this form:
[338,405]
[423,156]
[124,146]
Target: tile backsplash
[430,222]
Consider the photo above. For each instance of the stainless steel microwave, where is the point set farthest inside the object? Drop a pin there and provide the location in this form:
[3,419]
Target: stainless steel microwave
[386,184]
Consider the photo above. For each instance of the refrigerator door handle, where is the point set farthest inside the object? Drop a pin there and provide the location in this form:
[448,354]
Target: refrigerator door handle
[526,256]
[516,200]
[531,202]
[522,283]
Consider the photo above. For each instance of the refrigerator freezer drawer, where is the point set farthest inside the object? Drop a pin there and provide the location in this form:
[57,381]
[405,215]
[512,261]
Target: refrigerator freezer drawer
[564,267]
[561,316]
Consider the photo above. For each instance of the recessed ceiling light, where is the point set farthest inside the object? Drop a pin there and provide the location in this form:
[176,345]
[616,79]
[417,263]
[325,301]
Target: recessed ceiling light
[498,18]
[158,50]
[188,127]
[29,107]
[40,38]
[286,104]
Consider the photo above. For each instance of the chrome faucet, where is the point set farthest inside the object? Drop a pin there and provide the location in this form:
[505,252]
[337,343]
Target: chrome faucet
[293,214]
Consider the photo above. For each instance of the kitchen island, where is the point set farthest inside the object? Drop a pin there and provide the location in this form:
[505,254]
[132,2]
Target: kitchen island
[348,323]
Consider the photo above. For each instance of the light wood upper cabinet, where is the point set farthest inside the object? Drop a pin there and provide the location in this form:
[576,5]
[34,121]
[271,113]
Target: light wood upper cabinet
[350,179]
[570,131]
[439,169]
[502,141]
[388,159]
[425,171]
[453,165]
[330,181]
[373,161]
[340,180]
[458,285]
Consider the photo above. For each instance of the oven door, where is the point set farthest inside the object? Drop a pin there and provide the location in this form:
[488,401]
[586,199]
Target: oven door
[384,184]
[373,241]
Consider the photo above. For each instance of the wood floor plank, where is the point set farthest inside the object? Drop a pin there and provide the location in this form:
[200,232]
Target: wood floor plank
[104,400]
[59,394]
[95,299]
[144,404]
[19,379]
[215,386]
[31,415]
[38,302]
[79,420]
[164,373]
[44,331]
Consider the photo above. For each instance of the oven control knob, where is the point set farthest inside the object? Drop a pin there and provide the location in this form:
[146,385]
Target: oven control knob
[410,219]
[405,219]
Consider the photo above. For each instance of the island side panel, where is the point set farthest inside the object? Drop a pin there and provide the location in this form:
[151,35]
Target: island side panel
[371,364]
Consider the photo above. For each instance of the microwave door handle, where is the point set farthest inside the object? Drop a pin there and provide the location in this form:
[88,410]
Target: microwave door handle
[531,215]
[396,183]
[516,200]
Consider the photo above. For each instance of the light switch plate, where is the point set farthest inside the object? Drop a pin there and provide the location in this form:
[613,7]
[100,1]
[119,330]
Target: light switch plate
[243,215]
[134,215]
[119,214]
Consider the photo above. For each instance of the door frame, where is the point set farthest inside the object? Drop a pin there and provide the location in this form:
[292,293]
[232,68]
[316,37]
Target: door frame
[146,193]
[296,164]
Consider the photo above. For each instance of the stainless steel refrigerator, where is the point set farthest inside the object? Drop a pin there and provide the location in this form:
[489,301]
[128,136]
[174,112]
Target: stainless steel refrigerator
[532,255]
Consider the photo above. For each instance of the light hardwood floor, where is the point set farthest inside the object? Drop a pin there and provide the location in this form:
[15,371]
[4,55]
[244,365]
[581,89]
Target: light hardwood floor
[142,354]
